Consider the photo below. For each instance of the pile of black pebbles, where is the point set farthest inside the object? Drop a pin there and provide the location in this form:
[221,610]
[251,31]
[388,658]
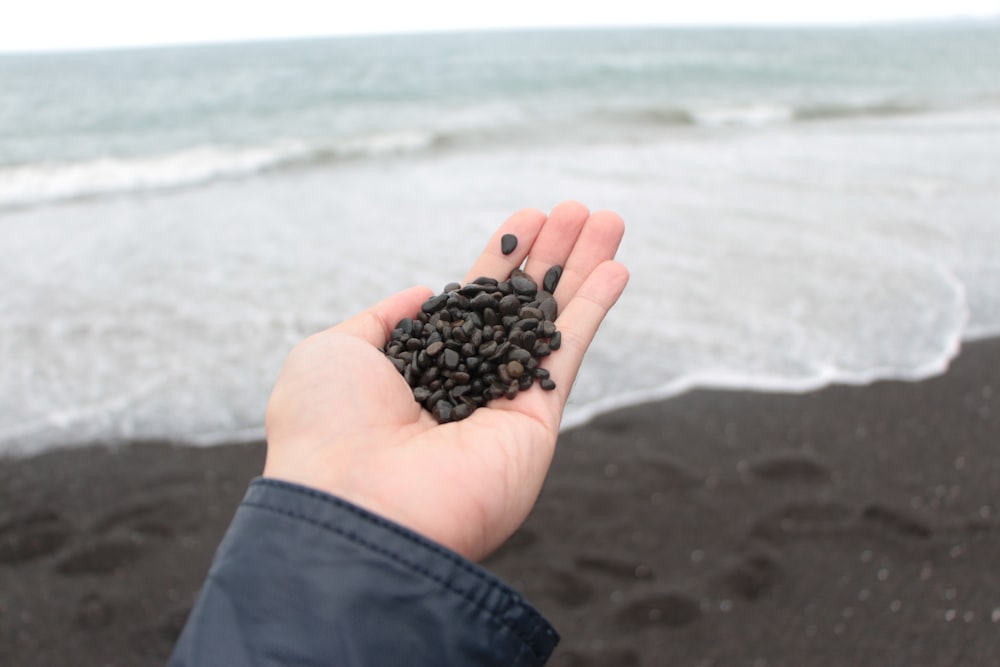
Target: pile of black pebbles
[478,342]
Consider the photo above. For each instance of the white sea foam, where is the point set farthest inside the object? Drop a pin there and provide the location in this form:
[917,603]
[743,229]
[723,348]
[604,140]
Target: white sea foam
[41,183]
[752,116]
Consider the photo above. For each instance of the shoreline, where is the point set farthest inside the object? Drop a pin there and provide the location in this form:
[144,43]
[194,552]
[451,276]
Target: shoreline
[847,525]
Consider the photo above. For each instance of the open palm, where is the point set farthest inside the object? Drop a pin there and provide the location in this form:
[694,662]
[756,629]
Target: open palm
[343,420]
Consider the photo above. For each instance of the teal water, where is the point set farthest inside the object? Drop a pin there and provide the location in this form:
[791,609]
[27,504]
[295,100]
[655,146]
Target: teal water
[803,207]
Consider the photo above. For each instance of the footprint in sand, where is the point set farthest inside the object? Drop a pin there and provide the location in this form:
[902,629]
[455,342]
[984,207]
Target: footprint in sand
[663,609]
[31,535]
[791,467]
[119,538]
[752,575]
[614,568]
[99,556]
[803,519]
[889,520]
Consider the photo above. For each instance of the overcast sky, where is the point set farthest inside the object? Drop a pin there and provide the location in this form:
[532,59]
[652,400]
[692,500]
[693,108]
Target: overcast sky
[72,24]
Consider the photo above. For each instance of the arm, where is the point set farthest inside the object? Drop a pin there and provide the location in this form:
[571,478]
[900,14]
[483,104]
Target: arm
[361,532]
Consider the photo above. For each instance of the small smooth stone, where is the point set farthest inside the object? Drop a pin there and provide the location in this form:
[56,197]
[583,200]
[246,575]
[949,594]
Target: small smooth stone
[509,305]
[485,280]
[547,384]
[442,411]
[451,359]
[434,303]
[542,349]
[556,341]
[547,328]
[461,411]
[519,355]
[434,349]
[512,390]
[527,324]
[458,301]
[487,349]
[501,350]
[515,369]
[451,287]
[549,309]
[508,243]
[551,278]
[522,283]
[483,300]
[528,311]
[429,375]
[421,394]
[524,382]
[472,289]
[435,397]
[460,377]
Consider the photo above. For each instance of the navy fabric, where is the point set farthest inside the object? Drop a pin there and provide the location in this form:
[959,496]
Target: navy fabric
[304,578]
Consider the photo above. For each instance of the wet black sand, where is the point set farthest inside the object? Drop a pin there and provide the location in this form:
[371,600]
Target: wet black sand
[848,526]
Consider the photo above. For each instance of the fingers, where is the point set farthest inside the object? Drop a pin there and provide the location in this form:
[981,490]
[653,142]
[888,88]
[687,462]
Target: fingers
[580,320]
[596,241]
[556,241]
[376,323]
[525,225]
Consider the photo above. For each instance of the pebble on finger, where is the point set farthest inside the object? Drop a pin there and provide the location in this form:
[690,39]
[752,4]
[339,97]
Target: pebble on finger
[508,243]
[551,280]
[475,343]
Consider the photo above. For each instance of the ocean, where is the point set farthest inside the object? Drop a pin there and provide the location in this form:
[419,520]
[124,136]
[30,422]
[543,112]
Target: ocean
[803,206]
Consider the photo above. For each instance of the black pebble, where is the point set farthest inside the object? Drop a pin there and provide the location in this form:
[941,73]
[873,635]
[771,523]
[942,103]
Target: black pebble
[551,279]
[508,242]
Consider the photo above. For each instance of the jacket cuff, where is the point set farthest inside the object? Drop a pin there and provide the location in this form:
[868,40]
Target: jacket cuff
[501,610]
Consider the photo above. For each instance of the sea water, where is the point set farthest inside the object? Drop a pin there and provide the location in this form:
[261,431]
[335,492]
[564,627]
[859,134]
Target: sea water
[802,206]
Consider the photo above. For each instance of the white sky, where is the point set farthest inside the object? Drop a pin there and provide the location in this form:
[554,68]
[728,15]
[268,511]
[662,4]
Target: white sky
[72,24]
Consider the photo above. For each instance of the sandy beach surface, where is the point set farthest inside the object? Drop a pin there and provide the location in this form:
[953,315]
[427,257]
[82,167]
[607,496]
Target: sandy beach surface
[848,526]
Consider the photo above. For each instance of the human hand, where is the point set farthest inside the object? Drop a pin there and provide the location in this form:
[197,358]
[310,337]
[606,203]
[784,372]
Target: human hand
[343,420]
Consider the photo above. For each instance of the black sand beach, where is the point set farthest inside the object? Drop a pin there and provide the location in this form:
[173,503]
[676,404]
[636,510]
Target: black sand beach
[848,526]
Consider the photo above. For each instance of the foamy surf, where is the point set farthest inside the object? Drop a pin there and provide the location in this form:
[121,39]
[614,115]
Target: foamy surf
[33,184]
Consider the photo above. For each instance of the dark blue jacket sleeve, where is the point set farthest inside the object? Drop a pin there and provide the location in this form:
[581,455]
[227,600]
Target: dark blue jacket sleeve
[303,578]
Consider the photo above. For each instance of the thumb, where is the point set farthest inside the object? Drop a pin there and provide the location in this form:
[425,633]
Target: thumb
[376,323]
